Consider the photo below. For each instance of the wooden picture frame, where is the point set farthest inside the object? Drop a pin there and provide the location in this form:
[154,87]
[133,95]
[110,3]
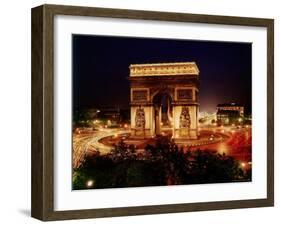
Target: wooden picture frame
[42,203]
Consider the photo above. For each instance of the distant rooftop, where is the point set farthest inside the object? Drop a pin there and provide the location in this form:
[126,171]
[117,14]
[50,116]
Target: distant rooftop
[164,69]
[229,105]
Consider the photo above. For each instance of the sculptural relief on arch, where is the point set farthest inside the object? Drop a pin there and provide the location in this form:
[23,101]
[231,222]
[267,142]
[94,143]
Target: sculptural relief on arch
[164,99]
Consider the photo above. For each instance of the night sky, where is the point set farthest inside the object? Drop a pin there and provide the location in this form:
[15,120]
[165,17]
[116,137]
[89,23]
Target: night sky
[100,68]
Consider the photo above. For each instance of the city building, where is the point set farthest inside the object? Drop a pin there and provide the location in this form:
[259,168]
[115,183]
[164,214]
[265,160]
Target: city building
[230,113]
[115,114]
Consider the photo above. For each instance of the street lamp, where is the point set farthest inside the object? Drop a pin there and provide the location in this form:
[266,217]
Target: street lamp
[89,183]
[227,120]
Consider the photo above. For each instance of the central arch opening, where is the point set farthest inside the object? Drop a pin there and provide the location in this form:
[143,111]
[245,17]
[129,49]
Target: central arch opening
[163,113]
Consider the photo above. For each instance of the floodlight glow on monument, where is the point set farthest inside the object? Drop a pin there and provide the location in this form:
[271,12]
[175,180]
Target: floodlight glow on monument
[164,95]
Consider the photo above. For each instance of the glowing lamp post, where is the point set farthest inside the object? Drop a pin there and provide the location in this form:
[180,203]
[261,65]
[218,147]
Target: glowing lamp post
[227,121]
[89,183]
[243,164]
[240,120]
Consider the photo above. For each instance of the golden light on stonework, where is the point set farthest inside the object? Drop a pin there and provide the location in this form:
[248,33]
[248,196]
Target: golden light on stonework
[183,68]
[184,93]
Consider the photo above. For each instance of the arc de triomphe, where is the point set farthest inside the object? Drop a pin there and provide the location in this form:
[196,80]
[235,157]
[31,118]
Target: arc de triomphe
[164,96]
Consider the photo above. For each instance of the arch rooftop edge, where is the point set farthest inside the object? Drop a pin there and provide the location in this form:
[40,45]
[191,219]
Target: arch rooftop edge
[164,69]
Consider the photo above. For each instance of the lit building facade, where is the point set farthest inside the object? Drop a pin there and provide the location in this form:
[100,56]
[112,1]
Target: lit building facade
[229,113]
[163,96]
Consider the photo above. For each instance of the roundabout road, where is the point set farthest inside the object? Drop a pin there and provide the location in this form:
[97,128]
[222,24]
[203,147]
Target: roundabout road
[84,143]
[229,140]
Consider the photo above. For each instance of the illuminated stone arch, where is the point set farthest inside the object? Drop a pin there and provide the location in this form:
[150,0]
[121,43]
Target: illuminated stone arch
[180,83]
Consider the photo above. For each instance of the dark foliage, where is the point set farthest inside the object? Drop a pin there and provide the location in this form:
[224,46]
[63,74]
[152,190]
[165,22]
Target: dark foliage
[162,164]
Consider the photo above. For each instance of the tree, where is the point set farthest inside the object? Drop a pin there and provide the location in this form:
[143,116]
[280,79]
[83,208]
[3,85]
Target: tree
[161,164]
